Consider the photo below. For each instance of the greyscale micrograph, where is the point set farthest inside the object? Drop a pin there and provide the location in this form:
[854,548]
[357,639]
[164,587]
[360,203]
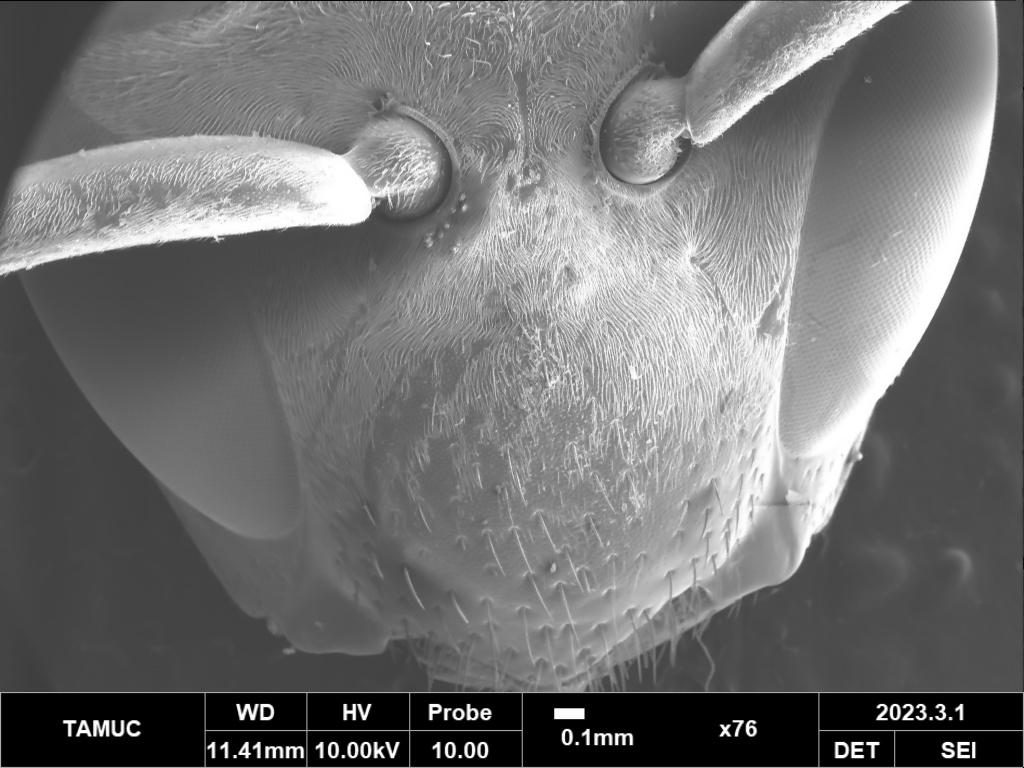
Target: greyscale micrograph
[512,346]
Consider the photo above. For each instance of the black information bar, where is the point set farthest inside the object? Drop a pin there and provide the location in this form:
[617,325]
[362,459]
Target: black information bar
[81,730]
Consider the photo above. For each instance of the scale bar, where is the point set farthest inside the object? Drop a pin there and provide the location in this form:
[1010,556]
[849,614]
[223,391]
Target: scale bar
[569,713]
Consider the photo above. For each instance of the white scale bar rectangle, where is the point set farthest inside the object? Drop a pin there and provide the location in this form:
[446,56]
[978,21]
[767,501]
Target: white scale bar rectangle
[569,713]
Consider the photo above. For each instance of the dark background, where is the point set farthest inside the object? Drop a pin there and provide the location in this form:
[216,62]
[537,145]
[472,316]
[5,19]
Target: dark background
[916,585]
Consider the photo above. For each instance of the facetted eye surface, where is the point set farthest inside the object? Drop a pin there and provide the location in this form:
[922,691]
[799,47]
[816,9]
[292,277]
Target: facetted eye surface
[643,137]
[406,166]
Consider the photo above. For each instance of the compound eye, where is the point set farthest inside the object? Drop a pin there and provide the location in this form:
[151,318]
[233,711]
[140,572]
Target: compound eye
[643,138]
[405,166]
